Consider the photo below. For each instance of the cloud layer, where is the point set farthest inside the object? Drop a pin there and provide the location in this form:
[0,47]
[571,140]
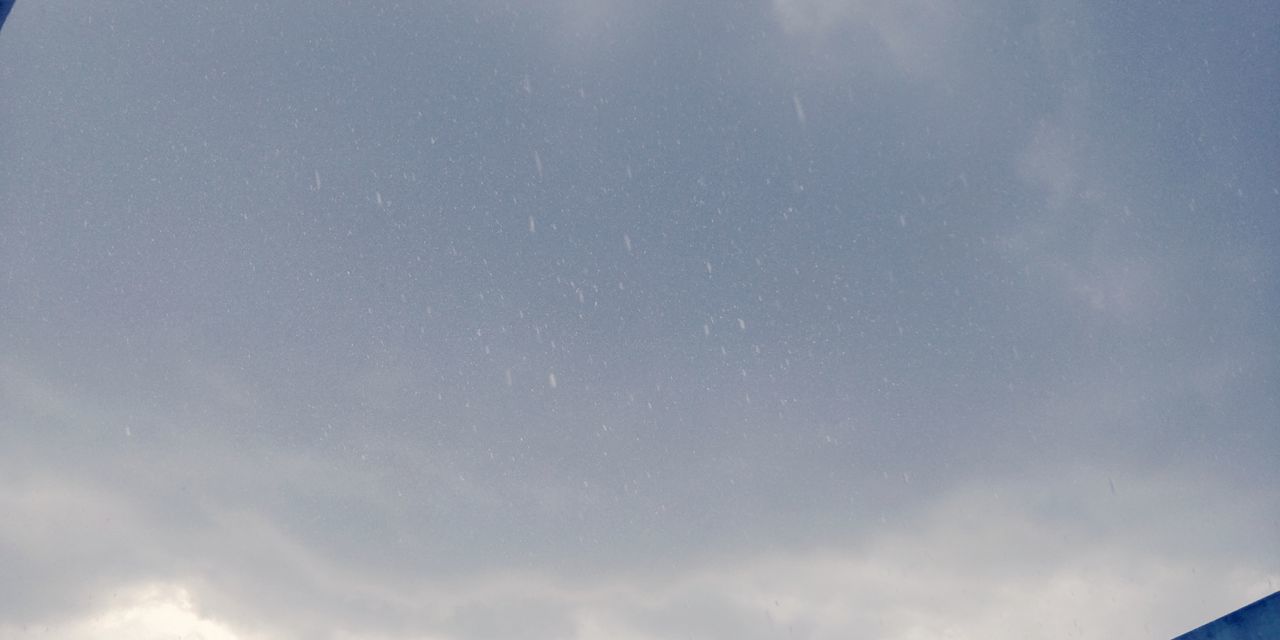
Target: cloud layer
[802,318]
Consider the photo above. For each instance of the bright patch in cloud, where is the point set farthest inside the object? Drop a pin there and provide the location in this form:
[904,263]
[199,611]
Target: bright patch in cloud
[150,612]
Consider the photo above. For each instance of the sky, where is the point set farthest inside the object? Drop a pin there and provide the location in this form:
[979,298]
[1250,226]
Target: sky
[586,319]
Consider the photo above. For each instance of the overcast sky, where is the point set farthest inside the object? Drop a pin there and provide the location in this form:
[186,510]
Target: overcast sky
[579,319]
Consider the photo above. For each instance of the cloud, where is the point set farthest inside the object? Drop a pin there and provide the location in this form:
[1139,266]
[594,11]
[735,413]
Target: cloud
[1088,212]
[146,612]
[236,540]
[273,457]
[1011,558]
[915,32]
[1051,160]
[593,31]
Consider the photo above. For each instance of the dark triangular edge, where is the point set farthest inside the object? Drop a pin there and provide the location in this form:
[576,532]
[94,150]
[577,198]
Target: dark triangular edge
[5,6]
[1257,621]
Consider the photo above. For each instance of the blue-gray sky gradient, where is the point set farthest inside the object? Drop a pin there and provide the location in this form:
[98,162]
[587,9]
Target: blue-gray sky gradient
[399,320]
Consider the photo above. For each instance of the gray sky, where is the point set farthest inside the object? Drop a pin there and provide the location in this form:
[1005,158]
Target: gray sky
[595,319]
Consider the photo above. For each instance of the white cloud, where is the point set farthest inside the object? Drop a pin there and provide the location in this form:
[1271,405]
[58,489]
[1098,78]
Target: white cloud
[146,612]
[915,32]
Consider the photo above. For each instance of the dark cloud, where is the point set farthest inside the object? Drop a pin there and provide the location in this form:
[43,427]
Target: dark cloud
[591,320]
